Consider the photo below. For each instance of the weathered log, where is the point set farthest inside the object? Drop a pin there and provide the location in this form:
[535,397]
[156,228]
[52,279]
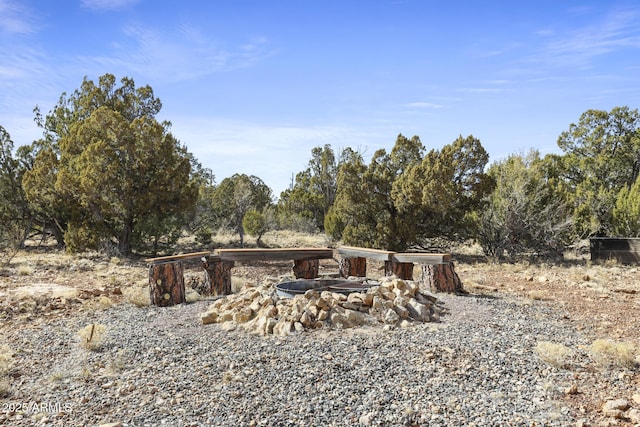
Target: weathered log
[373,254]
[218,277]
[166,284]
[306,268]
[402,270]
[441,278]
[276,254]
[356,267]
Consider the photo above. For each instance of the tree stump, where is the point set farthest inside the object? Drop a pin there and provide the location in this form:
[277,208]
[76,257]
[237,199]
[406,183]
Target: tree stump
[306,268]
[356,267]
[166,284]
[218,277]
[402,270]
[441,278]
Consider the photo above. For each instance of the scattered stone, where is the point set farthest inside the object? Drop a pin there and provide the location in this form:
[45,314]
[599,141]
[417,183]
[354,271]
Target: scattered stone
[572,389]
[261,311]
[615,408]
[633,415]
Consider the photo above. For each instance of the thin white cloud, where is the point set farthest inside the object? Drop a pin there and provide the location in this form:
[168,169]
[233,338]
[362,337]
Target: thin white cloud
[422,104]
[15,18]
[178,55]
[107,4]
[617,31]
[478,90]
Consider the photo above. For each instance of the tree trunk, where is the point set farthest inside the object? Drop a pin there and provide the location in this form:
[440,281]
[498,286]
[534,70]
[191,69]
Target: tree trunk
[166,284]
[306,268]
[356,267]
[402,270]
[124,245]
[218,277]
[441,278]
[58,233]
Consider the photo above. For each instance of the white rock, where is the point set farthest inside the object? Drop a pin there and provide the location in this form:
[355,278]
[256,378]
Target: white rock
[391,317]
[633,415]
[615,408]
[418,311]
[355,298]
[209,317]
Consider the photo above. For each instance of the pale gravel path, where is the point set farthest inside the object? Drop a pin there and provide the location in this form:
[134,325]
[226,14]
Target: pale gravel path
[160,366]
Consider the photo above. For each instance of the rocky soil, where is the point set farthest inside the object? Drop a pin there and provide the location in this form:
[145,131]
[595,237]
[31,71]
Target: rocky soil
[528,345]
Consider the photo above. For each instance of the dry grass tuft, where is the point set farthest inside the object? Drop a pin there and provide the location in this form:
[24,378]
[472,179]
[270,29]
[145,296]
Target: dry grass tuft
[192,295]
[100,303]
[237,283]
[6,365]
[554,354]
[609,353]
[5,387]
[92,336]
[6,360]
[25,270]
[137,295]
[538,294]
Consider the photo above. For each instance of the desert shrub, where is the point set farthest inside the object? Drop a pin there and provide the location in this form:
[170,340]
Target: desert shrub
[610,353]
[6,365]
[6,360]
[204,236]
[554,354]
[538,294]
[100,303]
[92,336]
[137,295]
[524,215]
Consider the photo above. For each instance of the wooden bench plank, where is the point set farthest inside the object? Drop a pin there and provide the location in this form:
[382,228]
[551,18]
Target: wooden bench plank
[277,254]
[375,254]
[421,258]
[178,257]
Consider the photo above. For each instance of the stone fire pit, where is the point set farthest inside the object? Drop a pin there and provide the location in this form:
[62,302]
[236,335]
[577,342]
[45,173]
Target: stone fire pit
[341,286]
[261,310]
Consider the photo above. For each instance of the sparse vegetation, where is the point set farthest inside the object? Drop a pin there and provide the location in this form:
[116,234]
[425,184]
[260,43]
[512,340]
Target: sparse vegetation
[538,294]
[92,336]
[137,295]
[554,354]
[6,365]
[25,270]
[609,353]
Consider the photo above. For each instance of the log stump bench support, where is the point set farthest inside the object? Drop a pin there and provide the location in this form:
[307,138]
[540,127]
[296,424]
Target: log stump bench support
[438,272]
[218,277]
[166,279]
[353,260]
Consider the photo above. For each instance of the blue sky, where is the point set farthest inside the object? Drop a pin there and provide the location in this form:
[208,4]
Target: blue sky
[252,86]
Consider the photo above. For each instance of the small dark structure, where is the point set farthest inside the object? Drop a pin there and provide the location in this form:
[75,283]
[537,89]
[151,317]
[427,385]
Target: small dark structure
[299,287]
[623,250]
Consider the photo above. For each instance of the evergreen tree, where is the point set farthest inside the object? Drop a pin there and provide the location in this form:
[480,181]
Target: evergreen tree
[626,213]
[524,213]
[107,170]
[602,155]
[306,203]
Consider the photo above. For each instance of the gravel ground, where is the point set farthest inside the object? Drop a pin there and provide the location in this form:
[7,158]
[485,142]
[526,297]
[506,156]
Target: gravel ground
[161,366]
